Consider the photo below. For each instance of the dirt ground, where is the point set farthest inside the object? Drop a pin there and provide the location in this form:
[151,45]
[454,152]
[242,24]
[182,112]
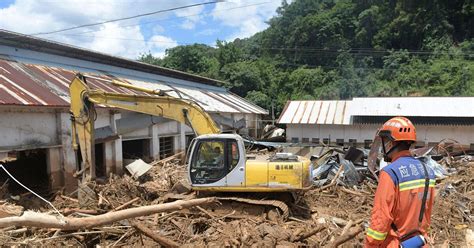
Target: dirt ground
[316,218]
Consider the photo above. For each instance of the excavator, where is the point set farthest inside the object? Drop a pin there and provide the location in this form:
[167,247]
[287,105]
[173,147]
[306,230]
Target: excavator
[216,162]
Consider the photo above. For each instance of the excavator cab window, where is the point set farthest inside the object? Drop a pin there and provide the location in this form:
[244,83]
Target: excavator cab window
[212,160]
[234,154]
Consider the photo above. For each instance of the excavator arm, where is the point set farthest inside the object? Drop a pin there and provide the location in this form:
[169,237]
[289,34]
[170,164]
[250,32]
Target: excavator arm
[83,114]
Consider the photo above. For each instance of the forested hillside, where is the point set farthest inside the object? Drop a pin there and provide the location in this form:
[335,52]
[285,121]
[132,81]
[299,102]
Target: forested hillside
[329,49]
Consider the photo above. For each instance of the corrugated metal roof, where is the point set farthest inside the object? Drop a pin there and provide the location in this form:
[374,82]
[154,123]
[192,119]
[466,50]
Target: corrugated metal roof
[38,85]
[345,111]
[313,112]
[33,43]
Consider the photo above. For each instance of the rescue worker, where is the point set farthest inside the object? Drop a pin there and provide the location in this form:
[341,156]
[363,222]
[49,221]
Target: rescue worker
[398,214]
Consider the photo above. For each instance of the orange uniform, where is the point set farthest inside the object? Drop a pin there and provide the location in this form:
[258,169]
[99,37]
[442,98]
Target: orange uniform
[398,201]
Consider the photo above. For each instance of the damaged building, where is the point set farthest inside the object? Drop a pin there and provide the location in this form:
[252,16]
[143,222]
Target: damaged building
[354,122]
[35,125]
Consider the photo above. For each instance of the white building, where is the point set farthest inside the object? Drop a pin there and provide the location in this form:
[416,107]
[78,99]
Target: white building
[357,120]
[35,124]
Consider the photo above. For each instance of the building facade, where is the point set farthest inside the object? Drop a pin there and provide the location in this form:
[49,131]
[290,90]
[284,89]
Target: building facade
[355,122]
[35,125]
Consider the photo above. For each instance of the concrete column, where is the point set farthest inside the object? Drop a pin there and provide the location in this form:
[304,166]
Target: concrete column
[109,158]
[113,150]
[154,142]
[53,165]
[117,146]
[181,144]
[68,155]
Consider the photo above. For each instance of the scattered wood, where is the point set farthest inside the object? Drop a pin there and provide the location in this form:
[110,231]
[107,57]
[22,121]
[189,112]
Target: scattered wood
[168,159]
[7,210]
[69,198]
[17,231]
[311,233]
[346,228]
[346,237]
[319,218]
[352,192]
[127,204]
[164,241]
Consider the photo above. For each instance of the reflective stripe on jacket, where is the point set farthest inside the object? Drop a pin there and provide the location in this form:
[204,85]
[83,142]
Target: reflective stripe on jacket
[398,199]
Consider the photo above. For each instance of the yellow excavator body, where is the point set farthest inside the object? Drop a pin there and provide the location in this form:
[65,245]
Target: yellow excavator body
[215,161]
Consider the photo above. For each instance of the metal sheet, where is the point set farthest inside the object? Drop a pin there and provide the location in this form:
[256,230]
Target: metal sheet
[289,113]
[39,85]
[314,112]
[331,112]
[299,112]
[324,112]
[308,111]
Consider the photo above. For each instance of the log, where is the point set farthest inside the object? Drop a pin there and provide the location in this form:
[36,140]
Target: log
[309,234]
[346,237]
[164,241]
[42,220]
[346,228]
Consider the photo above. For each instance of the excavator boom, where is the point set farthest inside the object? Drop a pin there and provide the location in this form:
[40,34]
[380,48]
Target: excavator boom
[154,103]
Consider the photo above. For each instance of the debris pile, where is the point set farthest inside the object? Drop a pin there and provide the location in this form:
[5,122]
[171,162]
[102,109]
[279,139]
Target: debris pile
[312,218]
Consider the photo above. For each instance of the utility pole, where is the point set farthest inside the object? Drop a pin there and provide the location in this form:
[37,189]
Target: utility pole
[273,114]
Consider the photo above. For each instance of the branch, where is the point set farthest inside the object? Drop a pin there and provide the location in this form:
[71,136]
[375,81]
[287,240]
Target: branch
[166,242]
[346,237]
[42,220]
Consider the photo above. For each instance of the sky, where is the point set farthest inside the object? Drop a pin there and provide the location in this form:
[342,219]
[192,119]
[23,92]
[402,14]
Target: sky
[226,20]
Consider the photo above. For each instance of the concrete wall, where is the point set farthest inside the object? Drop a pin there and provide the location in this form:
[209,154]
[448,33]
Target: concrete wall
[425,134]
[18,130]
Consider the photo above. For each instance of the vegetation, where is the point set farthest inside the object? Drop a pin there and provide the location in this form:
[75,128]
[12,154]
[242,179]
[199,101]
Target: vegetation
[339,49]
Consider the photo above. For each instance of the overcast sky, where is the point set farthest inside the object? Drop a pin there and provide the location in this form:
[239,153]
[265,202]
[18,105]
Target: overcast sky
[202,24]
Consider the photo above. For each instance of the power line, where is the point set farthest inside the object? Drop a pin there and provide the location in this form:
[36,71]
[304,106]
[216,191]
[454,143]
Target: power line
[180,17]
[126,18]
[308,52]
[130,39]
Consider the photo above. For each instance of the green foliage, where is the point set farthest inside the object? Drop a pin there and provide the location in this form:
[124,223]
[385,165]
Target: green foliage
[339,49]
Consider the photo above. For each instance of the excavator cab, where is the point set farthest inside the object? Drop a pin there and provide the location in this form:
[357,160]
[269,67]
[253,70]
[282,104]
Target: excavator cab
[216,160]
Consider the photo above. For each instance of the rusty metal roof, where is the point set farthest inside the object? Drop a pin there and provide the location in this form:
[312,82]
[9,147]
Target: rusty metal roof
[39,85]
[13,39]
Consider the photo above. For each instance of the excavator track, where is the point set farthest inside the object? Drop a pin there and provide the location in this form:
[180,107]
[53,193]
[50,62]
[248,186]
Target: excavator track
[275,203]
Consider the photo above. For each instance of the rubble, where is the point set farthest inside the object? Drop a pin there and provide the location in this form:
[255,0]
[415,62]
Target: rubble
[351,162]
[273,133]
[313,218]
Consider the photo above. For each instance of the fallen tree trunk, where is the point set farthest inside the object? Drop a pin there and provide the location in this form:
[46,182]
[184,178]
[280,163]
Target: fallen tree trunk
[41,220]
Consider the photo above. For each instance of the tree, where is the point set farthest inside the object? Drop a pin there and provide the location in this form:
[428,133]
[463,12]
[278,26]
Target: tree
[340,49]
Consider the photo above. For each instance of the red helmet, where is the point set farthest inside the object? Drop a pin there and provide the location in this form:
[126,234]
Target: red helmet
[398,129]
